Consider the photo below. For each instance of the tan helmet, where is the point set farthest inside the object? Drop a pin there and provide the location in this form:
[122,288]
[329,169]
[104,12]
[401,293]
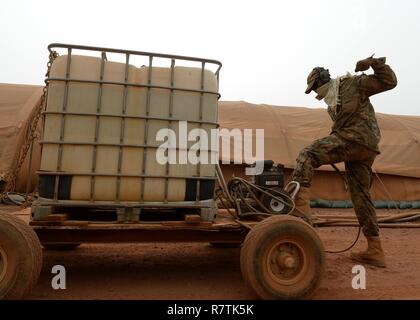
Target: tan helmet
[317,73]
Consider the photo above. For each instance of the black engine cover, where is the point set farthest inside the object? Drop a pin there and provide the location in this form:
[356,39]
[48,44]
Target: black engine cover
[272,176]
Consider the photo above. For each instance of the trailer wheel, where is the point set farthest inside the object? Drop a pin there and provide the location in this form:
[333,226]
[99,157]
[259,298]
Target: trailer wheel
[61,246]
[282,258]
[36,250]
[20,257]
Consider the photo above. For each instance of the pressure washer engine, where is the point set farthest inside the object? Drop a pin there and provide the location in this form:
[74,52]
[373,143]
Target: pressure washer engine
[271,177]
[262,193]
[272,180]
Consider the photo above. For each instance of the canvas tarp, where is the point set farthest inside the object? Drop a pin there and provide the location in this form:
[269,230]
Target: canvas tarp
[289,129]
[17,105]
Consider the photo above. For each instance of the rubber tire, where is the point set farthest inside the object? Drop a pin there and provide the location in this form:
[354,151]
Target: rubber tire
[265,200]
[258,241]
[61,246]
[225,244]
[24,251]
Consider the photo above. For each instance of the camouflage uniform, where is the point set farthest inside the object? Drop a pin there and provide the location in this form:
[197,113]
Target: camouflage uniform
[354,139]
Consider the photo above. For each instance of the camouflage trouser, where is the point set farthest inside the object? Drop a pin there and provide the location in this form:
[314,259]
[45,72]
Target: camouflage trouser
[358,162]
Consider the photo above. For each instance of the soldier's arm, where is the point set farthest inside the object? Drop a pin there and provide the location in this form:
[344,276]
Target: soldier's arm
[383,78]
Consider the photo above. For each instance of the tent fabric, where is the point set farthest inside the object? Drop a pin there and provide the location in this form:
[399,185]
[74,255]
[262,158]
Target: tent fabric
[17,105]
[287,130]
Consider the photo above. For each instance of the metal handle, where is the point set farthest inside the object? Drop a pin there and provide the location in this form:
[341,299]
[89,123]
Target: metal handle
[294,191]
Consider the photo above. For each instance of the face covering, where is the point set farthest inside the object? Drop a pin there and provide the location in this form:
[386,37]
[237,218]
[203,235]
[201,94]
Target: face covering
[323,90]
[330,93]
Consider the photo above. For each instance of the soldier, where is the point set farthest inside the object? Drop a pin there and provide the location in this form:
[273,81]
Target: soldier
[354,139]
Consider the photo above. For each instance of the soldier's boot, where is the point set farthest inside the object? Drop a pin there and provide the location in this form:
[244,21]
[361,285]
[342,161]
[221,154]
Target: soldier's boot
[302,205]
[373,255]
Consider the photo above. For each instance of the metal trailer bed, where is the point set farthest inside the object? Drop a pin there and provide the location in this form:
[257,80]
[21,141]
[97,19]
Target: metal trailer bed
[223,229]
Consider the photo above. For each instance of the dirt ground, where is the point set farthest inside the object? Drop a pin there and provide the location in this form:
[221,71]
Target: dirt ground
[199,271]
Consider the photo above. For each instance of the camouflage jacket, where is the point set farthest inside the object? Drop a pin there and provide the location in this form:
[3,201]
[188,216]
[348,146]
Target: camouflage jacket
[354,118]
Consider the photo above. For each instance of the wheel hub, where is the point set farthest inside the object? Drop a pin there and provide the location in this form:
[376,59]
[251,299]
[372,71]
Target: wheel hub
[286,262]
[3,263]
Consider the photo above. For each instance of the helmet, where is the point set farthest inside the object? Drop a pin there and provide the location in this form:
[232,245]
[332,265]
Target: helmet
[317,74]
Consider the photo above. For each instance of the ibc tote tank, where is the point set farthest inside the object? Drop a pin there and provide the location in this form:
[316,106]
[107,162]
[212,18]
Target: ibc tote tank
[101,120]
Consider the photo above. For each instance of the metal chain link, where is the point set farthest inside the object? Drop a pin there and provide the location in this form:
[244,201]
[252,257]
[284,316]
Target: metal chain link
[31,136]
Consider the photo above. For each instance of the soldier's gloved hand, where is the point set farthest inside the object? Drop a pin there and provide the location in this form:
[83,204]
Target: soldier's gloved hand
[377,61]
[365,64]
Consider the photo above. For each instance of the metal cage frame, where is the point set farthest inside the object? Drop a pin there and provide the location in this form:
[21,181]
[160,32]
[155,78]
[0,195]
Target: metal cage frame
[68,79]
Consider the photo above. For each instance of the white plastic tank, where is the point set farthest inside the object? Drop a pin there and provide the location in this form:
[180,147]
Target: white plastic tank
[96,135]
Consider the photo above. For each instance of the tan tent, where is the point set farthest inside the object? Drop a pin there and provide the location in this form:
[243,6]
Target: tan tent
[289,129]
[17,106]
[286,131]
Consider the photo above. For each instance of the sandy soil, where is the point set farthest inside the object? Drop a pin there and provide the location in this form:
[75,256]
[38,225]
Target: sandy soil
[199,271]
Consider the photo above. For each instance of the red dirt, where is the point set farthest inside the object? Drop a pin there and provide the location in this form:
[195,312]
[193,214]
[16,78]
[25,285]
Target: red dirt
[198,271]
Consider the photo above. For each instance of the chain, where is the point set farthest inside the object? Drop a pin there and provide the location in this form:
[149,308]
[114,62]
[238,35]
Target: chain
[32,135]
[53,55]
